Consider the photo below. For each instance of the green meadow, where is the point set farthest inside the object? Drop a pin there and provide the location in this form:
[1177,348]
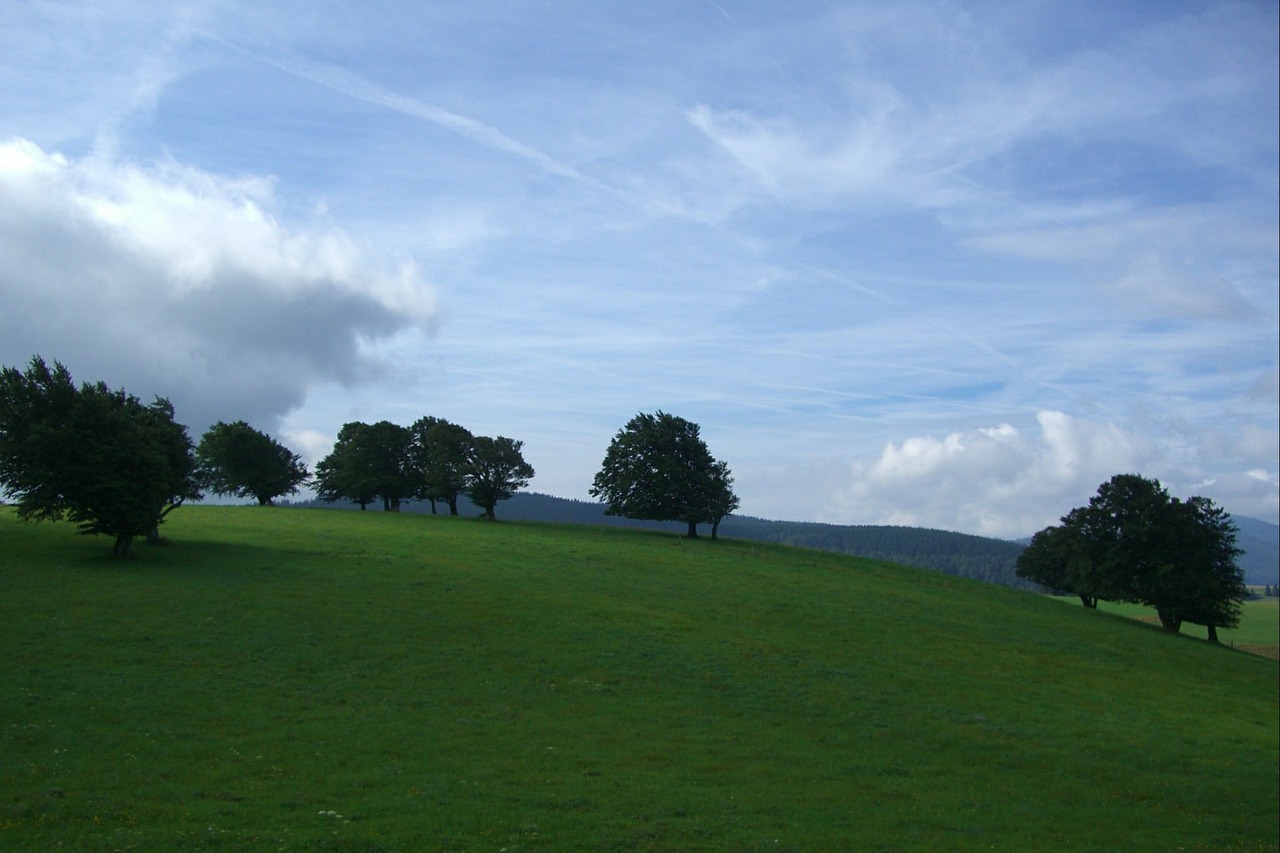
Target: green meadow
[1258,631]
[316,680]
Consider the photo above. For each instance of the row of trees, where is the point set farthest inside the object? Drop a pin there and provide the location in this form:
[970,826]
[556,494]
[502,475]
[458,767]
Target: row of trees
[432,460]
[1135,543]
[656,468]
[116,466]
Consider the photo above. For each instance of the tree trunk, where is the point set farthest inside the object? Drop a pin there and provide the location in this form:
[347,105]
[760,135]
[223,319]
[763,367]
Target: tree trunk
[433,505]
[1213,633]
[453,505]
[1169,621]
[123,546]
[715,528]
[693,530]
[1089,601]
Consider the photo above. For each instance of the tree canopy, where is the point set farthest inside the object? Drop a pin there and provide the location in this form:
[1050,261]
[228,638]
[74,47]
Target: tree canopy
[369,462]
[495,471]
[236,459]
[658,468]
[439,452]
[95,456]
[431,460]
[1136,543]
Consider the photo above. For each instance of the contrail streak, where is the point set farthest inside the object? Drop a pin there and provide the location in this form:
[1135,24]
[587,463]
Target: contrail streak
[722,11]
[342,81]
[345,82]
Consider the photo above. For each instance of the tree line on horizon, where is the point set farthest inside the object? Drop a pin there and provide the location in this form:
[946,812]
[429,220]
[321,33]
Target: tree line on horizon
[114,466]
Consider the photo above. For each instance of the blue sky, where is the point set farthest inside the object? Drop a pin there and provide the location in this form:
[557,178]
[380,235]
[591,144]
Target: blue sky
[934,263]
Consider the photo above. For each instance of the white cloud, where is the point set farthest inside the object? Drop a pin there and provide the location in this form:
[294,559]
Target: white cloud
[170,280]
[996,481]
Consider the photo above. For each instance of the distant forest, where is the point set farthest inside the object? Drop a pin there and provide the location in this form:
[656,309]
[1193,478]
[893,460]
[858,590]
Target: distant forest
[961,554]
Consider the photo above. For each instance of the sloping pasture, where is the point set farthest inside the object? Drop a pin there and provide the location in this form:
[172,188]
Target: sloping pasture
[312,680]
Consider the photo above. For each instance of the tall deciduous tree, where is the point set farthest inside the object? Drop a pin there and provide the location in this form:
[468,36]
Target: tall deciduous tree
[236,459]
[496,470]
[440,452]
[658,468]
[92,455]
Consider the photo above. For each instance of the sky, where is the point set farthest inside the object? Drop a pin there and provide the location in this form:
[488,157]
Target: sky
[942,264]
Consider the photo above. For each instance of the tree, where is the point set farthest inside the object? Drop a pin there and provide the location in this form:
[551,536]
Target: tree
[440,450]
[345,473]
[1053,559]
[236,459]
[1061,560]
[721,499]
[368,462]
[1214,593]
[658,468]
[1135,543]
[495,471]
[91,455]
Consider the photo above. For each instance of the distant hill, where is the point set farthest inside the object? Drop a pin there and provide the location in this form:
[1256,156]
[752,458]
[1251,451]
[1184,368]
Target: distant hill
[1261,543]
[978,557]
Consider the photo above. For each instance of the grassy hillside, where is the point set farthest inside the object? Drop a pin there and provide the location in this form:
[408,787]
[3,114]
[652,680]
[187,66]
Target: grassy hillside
[978,557]
[1258,632]
[304,680]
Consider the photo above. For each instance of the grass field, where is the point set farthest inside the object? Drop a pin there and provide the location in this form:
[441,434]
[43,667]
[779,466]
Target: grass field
[1258,632]
[312,680]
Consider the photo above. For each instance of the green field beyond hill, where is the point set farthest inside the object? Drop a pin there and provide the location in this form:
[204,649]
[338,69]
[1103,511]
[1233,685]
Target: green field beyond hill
[309,680]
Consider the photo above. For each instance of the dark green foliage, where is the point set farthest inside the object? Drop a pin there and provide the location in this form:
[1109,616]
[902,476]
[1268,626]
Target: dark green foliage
[94,456]
[236,459]
[721,501]
[1207,585]
[1058,560]
[495,471]
[1135,543]
[658,467]
[440,452]
[369,462]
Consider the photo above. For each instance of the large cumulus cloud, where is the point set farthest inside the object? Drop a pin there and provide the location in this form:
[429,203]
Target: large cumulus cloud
[997,481]
[1007,482]
[169,280]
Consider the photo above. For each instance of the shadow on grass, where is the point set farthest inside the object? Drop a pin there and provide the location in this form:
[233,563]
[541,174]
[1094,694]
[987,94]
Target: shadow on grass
[196,558]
